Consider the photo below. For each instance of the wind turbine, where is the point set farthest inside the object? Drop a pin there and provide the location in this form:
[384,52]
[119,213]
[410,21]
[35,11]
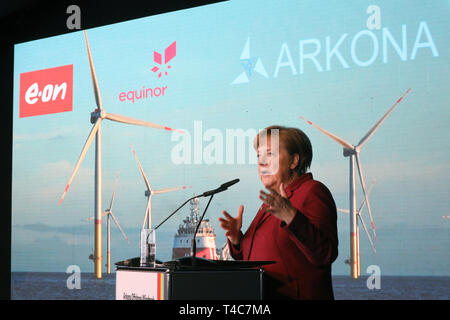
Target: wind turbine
[147,224]
[353,151]
[97,116]
[109,213]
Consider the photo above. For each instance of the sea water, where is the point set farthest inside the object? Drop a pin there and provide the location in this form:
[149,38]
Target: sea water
[53,286]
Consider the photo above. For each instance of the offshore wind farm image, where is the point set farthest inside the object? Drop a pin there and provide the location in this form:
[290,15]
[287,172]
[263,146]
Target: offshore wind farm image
[96,118]
[353,152]
[174,111]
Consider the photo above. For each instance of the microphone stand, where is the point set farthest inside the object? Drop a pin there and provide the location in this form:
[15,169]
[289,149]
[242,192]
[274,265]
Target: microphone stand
[175,211]
[194,244]
[222,188]
[193,261]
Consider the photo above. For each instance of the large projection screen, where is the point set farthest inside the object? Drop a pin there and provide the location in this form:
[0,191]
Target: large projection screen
[220,73]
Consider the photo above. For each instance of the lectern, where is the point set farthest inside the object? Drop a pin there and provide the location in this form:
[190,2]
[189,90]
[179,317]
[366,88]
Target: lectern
[220,280]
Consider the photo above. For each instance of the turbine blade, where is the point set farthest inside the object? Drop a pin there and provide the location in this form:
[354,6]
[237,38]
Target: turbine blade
[363,203]
[137,122]
[114,191]
[339,140]
[92,218]
[86,146]
[169,189]
[367,233]
[120,228]
[366,196]
[98,98]
[372,131]
[147,183]
[361,207]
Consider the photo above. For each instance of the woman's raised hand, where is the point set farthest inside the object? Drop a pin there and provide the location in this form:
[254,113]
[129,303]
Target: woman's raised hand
[279,204]
[232,226]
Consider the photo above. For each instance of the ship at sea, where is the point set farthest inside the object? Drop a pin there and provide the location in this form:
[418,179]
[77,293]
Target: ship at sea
[205,238]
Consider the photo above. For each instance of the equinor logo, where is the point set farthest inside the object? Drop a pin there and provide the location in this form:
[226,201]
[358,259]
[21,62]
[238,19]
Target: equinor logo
[361,49]
[169,53]
[147,91]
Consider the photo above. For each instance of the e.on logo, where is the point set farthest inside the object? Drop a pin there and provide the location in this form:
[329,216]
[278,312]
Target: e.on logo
[46,91]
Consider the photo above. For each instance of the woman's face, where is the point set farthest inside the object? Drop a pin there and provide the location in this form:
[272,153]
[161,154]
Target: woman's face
[275,165]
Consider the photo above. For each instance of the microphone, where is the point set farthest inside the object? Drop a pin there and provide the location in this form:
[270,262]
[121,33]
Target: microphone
[229,183]
[222,187]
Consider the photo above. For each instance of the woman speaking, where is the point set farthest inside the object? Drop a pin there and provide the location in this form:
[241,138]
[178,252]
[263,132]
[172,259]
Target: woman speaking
[296,223]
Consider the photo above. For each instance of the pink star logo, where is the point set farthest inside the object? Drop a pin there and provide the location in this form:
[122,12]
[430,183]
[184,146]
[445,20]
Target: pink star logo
[169,53]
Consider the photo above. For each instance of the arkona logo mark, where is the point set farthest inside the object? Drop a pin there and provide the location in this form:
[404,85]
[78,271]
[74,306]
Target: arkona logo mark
[250,65]
[343,52]
[46,91]
[169,53]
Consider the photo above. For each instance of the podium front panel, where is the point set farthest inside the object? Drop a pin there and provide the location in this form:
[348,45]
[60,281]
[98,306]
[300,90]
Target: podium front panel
[166,284]
[216,285]
[145,284]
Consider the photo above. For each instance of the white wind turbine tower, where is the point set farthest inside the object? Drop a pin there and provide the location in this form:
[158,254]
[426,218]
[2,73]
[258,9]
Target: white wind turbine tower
[97,116]
[109,213]
[147,224]
[353,151]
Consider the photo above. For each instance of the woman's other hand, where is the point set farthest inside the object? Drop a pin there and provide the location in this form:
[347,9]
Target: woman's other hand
[232,226]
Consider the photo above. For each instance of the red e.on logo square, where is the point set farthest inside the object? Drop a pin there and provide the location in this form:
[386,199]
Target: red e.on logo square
[46,91]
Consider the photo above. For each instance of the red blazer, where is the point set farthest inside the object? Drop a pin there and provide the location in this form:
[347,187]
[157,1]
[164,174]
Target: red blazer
[303,250]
